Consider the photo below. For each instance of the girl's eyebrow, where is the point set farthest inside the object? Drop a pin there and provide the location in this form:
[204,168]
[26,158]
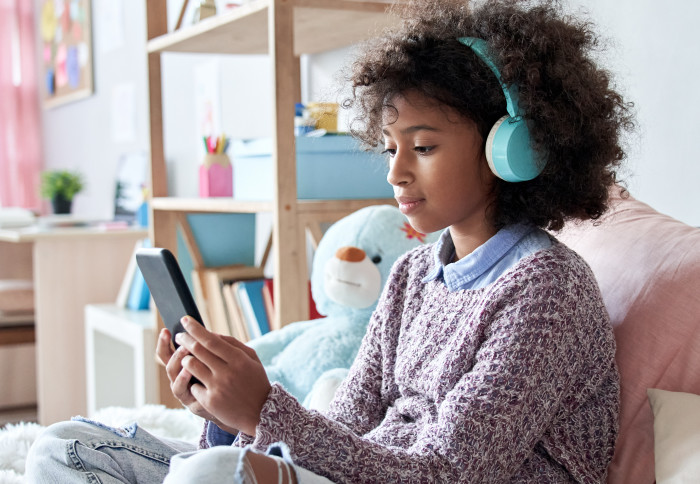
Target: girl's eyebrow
[413,129]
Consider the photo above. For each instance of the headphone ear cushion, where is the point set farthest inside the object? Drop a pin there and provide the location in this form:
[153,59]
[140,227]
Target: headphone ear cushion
[509,151]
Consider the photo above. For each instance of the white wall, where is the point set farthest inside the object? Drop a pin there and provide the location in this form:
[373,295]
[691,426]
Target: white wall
[653,59]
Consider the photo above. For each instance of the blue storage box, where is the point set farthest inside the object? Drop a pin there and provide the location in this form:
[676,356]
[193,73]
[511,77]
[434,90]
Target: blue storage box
[328,167]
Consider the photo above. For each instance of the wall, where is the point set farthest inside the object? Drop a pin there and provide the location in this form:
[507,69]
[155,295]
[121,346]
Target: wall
[80,135]
[652,58]
[651,55]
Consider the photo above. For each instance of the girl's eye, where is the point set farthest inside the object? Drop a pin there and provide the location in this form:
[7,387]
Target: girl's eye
[423,150]
[390,151]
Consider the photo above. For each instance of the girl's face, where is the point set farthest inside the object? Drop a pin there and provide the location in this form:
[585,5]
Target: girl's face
[438,169]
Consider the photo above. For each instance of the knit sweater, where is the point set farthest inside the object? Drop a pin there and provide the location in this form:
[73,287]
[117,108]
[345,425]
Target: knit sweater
[513,382]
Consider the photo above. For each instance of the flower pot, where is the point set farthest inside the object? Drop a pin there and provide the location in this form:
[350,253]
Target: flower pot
[61,205]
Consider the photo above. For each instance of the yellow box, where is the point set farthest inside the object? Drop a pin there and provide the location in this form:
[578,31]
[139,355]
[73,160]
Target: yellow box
[325,114]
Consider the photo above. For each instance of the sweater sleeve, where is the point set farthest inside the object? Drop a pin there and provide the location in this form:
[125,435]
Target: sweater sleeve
[360,389]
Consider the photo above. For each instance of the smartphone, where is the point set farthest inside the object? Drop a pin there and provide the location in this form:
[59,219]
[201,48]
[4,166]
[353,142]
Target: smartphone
[168,288]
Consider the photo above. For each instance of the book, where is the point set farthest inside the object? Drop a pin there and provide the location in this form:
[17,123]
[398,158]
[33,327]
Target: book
[248,327]
[199,293]
[267,297]
[252,306]
[125,288]
[269,303]
[239,329]
[139,297]
[208,293]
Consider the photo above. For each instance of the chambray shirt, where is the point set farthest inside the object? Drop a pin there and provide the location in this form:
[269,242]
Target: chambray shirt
[488,261]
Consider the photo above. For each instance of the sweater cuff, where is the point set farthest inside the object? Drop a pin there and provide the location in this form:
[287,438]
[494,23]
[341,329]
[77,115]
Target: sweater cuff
[203,444]
[279,404]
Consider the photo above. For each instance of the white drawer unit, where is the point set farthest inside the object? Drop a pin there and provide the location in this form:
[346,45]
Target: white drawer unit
[120,357]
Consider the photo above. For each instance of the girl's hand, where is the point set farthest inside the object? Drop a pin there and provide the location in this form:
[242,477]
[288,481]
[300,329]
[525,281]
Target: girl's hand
[180,378]
[234,385]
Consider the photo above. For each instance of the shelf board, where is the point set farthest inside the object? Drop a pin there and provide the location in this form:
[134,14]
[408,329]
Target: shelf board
[336,206]
[230,205]
[320,25]
[210,205]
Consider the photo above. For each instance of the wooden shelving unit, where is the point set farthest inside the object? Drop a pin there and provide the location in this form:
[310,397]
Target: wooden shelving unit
[283,29]
[319,25]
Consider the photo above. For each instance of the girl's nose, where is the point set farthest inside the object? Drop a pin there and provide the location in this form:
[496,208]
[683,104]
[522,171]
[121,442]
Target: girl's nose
[399,174]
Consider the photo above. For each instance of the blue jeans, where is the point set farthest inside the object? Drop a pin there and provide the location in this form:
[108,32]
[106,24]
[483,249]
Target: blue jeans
[79,451]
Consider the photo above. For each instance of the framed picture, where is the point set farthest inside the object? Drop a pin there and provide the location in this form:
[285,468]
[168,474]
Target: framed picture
[65,48]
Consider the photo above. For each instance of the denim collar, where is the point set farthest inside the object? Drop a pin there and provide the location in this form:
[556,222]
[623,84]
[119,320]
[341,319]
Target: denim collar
[460,274]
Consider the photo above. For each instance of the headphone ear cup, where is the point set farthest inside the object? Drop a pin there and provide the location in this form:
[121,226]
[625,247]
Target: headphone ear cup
[509,151]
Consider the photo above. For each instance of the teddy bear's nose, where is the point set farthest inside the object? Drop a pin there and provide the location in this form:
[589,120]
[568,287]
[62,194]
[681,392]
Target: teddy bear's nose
[350,254]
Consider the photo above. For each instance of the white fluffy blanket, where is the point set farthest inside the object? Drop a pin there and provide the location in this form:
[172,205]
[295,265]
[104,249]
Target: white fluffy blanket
[16,439]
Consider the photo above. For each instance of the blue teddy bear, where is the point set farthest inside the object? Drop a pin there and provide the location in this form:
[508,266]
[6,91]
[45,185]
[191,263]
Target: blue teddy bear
[349,270]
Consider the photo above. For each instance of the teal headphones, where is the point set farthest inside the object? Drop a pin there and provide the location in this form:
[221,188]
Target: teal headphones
[508,148]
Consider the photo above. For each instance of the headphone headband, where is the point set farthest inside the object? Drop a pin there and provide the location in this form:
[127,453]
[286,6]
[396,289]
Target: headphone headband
[481,48]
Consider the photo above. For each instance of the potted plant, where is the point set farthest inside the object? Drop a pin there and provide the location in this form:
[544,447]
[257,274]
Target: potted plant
[60,186]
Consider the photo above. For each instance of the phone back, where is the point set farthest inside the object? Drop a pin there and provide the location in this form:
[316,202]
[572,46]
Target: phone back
[168,287]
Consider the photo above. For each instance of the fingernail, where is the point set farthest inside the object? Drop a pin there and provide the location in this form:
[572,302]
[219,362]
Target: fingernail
[185,321]
[178,338]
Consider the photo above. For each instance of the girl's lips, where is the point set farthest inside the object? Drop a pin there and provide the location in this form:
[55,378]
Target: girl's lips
[408,205]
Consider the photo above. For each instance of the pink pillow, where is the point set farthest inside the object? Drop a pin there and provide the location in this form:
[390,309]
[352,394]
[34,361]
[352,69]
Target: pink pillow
[648,267]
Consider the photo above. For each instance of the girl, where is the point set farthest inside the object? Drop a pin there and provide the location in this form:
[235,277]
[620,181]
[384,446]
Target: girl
[490,357]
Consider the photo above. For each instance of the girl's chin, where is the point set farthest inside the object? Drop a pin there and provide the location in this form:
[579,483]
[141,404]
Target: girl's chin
[421,226]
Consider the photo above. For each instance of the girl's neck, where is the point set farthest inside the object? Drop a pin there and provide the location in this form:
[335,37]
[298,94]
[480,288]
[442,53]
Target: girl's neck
[466,242]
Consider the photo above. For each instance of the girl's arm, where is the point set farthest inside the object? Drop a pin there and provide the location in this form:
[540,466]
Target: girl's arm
[358,404]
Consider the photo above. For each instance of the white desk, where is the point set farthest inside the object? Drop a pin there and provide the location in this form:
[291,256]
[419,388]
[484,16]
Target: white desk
[72,267]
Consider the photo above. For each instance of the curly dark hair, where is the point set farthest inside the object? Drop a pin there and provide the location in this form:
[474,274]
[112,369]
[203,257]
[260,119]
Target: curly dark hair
[574,115]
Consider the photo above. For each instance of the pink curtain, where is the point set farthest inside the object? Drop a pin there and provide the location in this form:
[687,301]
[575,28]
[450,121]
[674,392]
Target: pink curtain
[20,135]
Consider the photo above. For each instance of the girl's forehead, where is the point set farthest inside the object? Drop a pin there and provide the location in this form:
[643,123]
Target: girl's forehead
[413,98]
[411,104]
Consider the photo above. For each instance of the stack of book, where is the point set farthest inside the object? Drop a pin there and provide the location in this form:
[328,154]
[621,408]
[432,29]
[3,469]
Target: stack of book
[239,307]
[246,309]
[268,300]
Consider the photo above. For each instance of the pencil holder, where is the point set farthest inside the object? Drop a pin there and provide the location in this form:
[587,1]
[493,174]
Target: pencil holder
[216,176]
